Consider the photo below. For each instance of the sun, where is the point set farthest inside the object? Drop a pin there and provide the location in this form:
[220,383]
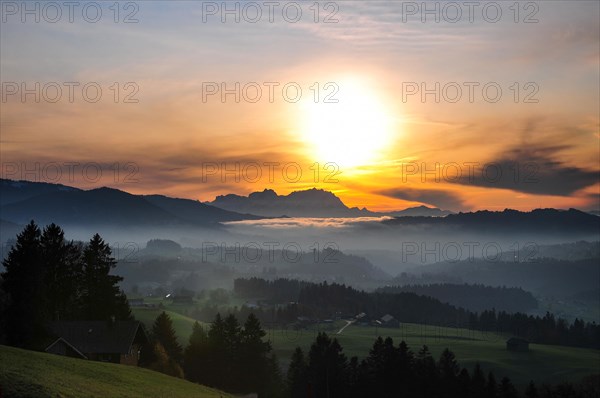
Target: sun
[351,132]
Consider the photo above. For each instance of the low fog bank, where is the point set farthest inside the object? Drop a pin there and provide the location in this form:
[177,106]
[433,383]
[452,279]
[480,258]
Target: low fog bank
[561,269]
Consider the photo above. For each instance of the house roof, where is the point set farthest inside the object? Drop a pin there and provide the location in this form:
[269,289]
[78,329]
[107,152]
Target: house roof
[98,336]
[65,342]
[387,318]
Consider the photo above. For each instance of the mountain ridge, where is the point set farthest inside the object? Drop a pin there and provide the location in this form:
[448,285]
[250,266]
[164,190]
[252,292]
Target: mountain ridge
[66,205]
[311,202]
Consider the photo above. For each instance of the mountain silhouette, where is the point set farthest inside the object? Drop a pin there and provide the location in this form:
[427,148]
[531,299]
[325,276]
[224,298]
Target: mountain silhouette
[195,211]
[420,211]
[548,221]
[307,203]
[63,205]
[310,203]
[15,191]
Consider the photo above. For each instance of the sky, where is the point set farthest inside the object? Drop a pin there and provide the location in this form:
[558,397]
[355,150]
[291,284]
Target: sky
[378,102]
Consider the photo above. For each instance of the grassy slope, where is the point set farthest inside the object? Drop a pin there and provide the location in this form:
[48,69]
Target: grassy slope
[181,323]
[35,374]
[544,363]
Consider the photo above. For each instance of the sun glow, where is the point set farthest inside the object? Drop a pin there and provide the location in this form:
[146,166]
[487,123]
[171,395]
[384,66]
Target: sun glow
[352,132]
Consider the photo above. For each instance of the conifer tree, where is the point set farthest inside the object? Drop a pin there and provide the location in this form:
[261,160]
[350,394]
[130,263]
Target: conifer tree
[297,381]
[101,297]
[196,354]
[164,333]
[23,283]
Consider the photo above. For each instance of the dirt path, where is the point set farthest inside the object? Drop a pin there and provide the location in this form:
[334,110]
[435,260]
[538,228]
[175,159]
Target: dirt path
[348,323]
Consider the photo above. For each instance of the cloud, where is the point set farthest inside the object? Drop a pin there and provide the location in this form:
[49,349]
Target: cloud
[529,169]
[442,199]
[290,223]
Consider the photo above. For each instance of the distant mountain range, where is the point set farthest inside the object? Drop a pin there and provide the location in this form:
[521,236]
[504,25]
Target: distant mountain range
[23,201]
[308,203]
[547,221]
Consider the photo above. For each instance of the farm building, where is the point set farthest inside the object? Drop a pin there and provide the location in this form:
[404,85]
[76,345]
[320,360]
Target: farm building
[112,341]
[517,344]
[389,321]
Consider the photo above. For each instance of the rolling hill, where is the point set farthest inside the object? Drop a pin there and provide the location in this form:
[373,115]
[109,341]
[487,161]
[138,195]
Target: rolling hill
[547,221]
[23,201]
[39,375]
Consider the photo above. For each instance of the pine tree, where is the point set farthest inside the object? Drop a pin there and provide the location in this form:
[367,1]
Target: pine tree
[478,382]
[531,391]
[215,376]
[297,381]
[327,367]
[253,354]
[62,275]
[196,354]
[405,373]
[101,297]
[23,282]
[164,333]
[163,363]
[232,340]
[359,383]
[426,373]
[507,390]
[464,383]
[491,388]
[448,366]
[449,369]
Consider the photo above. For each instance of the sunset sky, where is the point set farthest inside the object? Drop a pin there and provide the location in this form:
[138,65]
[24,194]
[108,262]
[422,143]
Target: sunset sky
[378,139]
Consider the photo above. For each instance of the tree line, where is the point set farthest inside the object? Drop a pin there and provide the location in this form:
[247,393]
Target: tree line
[393,371]
[49,278]
[227,355]
[236,358]
[474,297]
[323,300]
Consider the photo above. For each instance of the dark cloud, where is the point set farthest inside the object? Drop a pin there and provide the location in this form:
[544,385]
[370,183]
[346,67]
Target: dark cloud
[442,199]
[531,169]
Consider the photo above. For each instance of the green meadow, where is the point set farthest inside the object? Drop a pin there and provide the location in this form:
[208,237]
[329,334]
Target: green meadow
[39,375]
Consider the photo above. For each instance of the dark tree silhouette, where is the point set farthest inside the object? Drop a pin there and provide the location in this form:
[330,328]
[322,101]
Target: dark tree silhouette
[427,376]
[233,358]
[491,388]
[531,390]
[164,333]
[63,273]
[196,354]
[101,297]
[48,278]
[464,383]
[327,367]
[477,382]
[297,380]
[449,369]
[253,354]
[507,390]
[23,282]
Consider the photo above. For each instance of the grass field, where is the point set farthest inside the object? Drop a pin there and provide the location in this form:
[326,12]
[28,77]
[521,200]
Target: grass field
[181,323]
[40,375]
[543,363]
